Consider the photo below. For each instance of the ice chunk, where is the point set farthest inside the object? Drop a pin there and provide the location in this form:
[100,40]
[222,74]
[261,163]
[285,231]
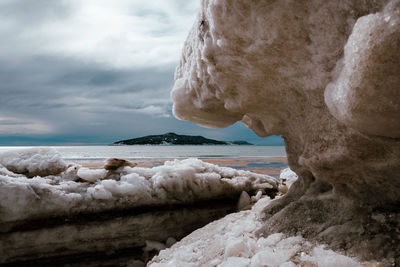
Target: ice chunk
[244,201]
[257,197]
[33,162]
[71,173]
[270,256]
[91,175]
[288,176]
[237,248]
[99,192]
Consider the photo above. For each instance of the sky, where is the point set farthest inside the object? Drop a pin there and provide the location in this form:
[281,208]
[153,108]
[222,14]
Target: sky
[78,72]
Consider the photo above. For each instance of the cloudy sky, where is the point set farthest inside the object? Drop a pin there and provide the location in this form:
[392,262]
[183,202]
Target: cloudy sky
[94,71]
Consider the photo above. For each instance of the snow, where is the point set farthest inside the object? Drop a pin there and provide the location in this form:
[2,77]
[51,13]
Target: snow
[91,175]
[78,189]
[33,162]
[288,177]
[328,258]
[233,241]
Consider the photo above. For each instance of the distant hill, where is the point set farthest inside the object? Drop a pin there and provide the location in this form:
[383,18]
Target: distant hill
[176,139]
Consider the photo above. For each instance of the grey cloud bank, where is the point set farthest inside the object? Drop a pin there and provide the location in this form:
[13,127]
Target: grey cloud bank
[93,71]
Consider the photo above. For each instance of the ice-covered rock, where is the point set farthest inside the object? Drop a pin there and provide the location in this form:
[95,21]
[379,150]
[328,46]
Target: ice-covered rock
[325,75]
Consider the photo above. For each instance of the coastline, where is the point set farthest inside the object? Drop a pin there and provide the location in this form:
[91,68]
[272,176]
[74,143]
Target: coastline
[263,165]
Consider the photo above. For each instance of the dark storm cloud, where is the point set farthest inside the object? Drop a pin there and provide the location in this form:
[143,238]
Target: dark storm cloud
[61,83]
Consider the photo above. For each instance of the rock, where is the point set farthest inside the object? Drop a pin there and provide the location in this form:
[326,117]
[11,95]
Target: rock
[325,75]
[114,164]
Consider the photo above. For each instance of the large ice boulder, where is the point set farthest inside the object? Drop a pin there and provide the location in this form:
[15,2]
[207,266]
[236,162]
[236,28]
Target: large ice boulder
[325,75]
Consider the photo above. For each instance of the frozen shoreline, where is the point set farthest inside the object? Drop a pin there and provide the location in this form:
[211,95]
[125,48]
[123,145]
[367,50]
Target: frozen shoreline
[43,197]
[73,212]
[59,188]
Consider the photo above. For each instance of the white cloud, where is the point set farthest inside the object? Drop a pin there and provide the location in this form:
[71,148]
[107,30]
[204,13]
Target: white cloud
[119,33]
[154,111]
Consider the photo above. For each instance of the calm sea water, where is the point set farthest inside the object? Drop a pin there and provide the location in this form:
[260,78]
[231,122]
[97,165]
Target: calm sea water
[143,151]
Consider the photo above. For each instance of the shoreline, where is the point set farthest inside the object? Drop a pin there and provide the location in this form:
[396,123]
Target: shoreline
[263,165]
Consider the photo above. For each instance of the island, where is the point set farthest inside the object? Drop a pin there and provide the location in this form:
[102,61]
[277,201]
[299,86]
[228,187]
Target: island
[176,139]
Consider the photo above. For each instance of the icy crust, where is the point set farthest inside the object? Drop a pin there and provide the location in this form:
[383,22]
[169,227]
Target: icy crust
[233,241]
[79,190]
[366,93]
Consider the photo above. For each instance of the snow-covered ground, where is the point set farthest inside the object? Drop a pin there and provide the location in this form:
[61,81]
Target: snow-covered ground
[234,241]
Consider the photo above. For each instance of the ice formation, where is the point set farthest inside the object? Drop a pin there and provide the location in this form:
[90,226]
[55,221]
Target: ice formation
[325,75]
[233,241]
[83,190]
[73,210]
[366,93]
[33,162]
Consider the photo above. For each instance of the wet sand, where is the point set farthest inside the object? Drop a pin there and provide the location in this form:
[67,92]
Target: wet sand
[270,166]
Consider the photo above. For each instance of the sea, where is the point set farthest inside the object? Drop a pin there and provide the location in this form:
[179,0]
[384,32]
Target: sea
[81,153]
